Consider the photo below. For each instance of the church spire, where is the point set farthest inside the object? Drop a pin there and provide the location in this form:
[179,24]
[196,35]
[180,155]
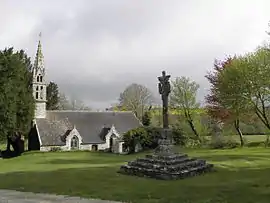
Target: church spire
[39,83]
[39,59]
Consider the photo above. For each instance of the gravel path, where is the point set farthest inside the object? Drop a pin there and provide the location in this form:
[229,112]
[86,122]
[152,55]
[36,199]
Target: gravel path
[10,196]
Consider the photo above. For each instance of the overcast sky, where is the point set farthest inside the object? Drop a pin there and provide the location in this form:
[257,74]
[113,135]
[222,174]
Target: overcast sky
[94,48]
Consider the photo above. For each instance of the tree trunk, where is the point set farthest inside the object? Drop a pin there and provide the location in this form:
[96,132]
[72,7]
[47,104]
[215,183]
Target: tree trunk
[8,143]
[190,122]
[267,140]
[237,128]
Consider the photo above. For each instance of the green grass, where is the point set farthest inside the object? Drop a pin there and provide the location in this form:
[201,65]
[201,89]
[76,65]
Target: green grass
[242,176]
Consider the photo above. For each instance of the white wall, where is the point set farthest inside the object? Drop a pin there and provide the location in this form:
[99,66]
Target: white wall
[116,148]
[73,133]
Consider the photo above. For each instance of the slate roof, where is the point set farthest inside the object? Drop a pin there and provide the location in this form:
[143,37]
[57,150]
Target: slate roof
[51,131]
[92,126]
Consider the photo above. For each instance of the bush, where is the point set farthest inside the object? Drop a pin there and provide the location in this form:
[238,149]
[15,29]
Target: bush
[146,119]
[178,135]
[147,137]
[134,136]
[255,144]
[223,142]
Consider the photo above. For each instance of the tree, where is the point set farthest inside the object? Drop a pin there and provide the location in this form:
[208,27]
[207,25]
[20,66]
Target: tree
[71,104]
[183,96]
[247,82]
[64,102]
[77,104]
[146,119]
[257,83]
[52,96]
[221,105]
[213,106]
[136,98]
[16,99]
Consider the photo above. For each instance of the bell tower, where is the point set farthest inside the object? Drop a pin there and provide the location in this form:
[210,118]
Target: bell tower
[39,83]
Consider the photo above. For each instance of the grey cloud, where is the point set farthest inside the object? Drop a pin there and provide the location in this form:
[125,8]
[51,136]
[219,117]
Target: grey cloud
[94,49]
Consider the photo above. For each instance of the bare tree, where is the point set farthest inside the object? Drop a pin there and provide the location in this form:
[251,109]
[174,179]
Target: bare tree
[136,98]
[77,104]
[64,102]
[71,103]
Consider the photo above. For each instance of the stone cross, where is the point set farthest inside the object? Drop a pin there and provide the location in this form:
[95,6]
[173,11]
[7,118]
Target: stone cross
[164,88]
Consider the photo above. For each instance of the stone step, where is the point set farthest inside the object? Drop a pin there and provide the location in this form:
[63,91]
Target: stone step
[166,157]
[165,175]
[178,160]
[172,168]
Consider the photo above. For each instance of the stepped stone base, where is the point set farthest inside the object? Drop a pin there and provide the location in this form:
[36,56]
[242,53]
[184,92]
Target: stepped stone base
[166,166]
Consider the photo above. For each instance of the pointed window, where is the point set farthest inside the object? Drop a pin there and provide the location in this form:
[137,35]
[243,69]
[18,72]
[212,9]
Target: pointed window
[40,78]
[74,143]
[36,95]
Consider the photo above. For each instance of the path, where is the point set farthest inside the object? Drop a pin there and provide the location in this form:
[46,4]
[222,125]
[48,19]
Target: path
[10,196]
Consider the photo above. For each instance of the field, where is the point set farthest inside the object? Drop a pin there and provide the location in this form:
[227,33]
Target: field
[242,176]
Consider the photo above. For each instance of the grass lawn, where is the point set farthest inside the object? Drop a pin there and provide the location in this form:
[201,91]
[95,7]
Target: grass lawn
[242,177]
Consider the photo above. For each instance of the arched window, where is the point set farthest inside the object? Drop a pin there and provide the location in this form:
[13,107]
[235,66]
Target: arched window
[40,78]
[74,143]
[37,88]
[36,95]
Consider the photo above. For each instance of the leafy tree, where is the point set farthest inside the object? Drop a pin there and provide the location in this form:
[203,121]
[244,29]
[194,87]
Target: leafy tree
[146,119]
[136,98]
[213,106]
[247,82]
[183,96]
[52,96]
[16,99]
[221,105]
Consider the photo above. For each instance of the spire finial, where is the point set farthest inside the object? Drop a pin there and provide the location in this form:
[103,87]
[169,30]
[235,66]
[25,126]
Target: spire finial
[39,35]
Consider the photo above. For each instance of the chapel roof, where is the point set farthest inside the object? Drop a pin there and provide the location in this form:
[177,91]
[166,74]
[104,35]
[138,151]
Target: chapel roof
[92,126]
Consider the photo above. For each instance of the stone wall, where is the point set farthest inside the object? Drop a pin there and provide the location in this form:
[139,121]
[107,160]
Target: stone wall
[40,111]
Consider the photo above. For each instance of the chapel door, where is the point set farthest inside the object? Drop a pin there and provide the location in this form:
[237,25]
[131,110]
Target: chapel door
[74,143]
[111,144]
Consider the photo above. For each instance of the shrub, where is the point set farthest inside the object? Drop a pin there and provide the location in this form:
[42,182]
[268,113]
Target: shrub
[178,135]
[223,142]
[146,119]
[147,137]
[154,135]
[134,136]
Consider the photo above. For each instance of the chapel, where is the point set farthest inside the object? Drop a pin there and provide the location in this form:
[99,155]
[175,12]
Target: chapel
[74,130]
